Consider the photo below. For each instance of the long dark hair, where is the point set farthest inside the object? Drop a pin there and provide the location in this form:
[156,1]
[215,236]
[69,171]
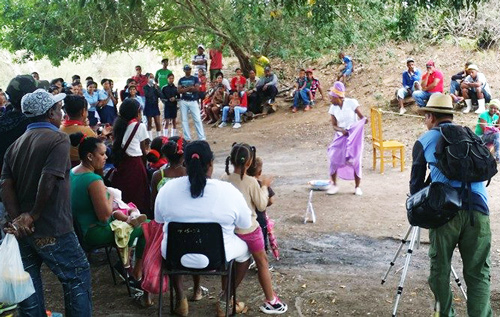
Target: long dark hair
[174,149]
[241,153]
[129,110]
[198,157]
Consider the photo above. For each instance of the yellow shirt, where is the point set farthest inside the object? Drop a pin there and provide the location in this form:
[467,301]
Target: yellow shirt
[259,64]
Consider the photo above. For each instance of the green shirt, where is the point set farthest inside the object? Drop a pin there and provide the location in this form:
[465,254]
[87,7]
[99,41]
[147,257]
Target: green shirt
[490,121]
[81,203]
[162,77]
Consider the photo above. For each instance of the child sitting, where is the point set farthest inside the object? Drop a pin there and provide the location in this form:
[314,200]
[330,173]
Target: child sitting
[257,197]
[155,158]
[238,106]
[219,99]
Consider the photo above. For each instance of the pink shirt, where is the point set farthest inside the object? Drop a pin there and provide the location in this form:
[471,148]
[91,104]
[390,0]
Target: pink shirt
[215,59]
[430,79]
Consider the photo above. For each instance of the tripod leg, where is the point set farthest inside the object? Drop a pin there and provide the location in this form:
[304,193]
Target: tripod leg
[403,242]
[459,283]
[413,239]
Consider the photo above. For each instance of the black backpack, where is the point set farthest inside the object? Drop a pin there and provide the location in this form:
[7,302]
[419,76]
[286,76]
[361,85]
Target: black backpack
[462,156]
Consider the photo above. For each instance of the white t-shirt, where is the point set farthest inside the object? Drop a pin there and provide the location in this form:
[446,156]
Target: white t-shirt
[479,78]
[226,83]
[134,149]
[345,116]
[221,202]
[198,58]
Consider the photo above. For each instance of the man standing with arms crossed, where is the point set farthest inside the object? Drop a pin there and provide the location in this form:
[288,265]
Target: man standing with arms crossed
[473,238]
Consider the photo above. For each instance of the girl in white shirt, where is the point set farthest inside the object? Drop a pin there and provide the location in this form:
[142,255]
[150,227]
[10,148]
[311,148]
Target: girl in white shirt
[129,151]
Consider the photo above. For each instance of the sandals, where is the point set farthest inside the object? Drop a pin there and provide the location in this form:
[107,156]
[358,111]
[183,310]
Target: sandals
[198,296]
[241,308]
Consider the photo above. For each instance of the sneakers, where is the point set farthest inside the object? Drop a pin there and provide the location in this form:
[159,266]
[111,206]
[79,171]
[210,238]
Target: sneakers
[277,308]
[358,191]
[237,125]
[253,265]
[402,111]
[332,190]
[222,125]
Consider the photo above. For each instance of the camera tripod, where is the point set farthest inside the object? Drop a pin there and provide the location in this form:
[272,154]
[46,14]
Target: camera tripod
[414,234]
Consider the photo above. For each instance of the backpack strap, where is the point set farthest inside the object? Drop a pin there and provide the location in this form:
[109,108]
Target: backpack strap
[131,137]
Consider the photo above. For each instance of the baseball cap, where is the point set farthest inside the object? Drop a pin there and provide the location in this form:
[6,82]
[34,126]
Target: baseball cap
[267,68]
[309,70]
[39,102]
[472,67]
[201,46]
[430,63]
[20,86]
[410,60]
[187,67]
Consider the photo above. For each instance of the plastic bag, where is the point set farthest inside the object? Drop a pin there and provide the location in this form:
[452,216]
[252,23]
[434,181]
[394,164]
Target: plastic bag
[15,284]
[152,259]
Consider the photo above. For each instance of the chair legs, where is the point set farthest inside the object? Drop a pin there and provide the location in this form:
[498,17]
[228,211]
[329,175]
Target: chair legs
[233,287]
[106,249]
[394,158]
[171,297]
[126,272]
[382,160]
[402,158]
[374,158]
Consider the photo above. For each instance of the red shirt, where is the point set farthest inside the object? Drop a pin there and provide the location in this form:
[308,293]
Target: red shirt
[235,81]
[430,79]
[243,100]
[203,83]
[141,81]
[215,59]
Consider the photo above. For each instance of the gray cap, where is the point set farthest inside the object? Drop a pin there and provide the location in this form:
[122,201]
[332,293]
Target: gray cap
[39,102]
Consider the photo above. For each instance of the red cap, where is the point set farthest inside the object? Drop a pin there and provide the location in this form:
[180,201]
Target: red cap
[309,70]
[430,63]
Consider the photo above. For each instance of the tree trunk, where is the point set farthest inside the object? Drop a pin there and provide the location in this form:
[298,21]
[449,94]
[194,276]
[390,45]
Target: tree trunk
[243,58]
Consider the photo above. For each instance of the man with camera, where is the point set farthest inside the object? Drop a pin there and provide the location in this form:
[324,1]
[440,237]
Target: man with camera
[469,228]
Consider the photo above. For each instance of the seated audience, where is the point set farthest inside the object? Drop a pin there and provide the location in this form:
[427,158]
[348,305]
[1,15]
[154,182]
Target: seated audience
[238,80]
[219,79]
[301,92]
[313,85]
[251,90]
[431,82]
[456,80]
[267,88]
[219,99]
[475,86]
[237,106]
[199,198]
[411,83]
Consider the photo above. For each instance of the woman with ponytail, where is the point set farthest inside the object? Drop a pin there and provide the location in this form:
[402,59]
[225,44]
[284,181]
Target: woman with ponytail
[198,198]
[129,153]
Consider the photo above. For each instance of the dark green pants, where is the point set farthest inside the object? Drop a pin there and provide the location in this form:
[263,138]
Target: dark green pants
[474,243]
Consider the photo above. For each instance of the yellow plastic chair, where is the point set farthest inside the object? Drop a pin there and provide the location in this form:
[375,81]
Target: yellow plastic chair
[383,146]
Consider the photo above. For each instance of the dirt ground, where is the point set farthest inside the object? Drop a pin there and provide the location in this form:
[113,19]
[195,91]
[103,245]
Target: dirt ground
[333,267]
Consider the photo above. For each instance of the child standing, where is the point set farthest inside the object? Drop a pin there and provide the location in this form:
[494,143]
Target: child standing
[170,94]
[257,198]
[256,171]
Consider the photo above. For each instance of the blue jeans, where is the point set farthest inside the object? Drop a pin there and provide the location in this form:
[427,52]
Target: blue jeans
[66,259]
[455,87]
[238,111]
[193,107]
[421,97]
[301,94]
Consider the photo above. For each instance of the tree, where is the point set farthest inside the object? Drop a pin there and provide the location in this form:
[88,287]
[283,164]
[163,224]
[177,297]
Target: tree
[60,29]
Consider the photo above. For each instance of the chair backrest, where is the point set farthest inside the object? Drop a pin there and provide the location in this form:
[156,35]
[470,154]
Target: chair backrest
[195,238]
[376,121]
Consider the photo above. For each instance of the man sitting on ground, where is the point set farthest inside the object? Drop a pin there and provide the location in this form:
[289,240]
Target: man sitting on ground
[251,90]
[456,80]
[267,89]
[431,83]
[411,83]
[476,86]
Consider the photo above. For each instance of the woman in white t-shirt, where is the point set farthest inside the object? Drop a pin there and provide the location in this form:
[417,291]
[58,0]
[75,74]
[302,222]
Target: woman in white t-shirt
[344,113]
[198,198]
[129,151]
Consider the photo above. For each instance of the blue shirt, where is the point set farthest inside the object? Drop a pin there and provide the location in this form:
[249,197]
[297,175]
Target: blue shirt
[348,62]
[409,80]
[423,155]
[189,82]
[103,95]
[92,100]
